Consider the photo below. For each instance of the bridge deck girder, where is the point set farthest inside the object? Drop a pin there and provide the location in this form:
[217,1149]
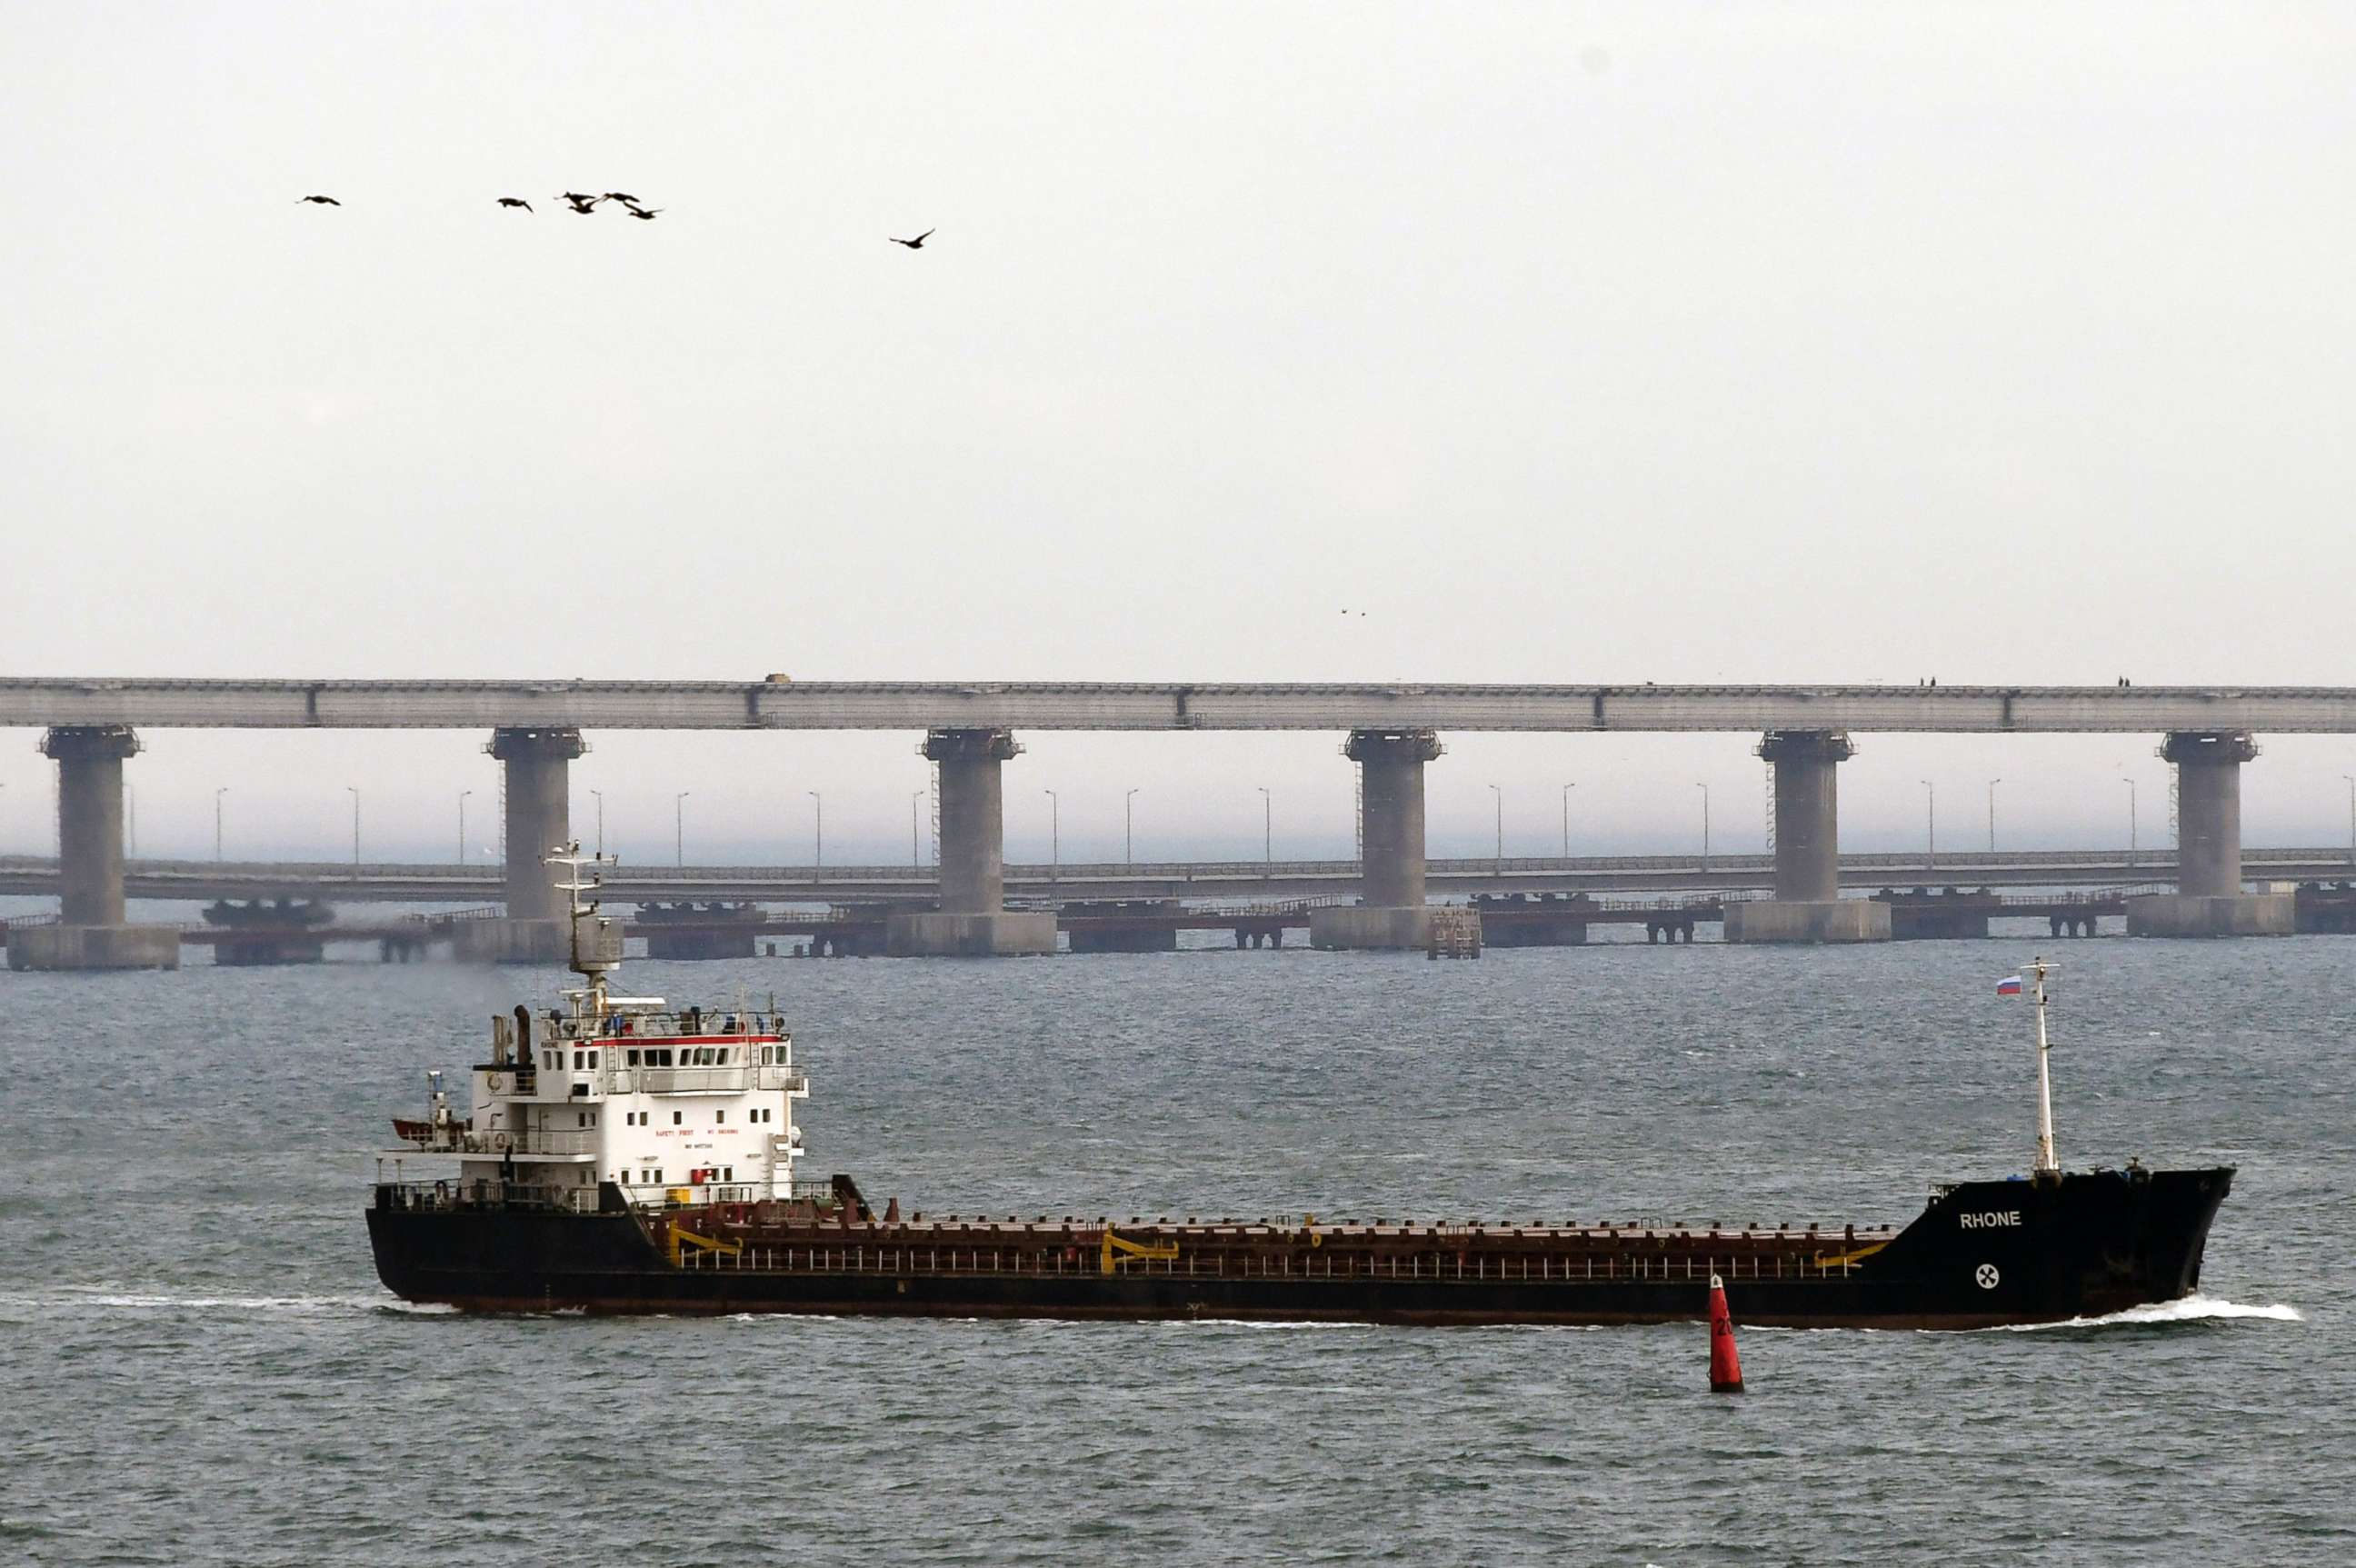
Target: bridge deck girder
[342,883]
[36,701]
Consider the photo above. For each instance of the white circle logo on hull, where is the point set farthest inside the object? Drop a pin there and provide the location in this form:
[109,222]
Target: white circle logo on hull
[1987,1276]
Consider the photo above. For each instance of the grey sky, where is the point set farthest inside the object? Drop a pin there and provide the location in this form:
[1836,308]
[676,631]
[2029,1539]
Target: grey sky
[1666,342]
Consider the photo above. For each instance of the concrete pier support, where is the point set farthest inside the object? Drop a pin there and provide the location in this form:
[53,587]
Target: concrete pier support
[1393,913]
[538,768]
[1807,905]
[973,920]
[90,932]
[2209,900]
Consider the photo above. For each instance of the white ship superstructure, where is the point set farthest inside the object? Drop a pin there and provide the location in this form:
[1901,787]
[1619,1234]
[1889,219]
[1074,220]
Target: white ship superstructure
[673,1106]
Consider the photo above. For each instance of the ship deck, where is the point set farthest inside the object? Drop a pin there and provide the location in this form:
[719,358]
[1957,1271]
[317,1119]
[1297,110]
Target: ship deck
[707,1238]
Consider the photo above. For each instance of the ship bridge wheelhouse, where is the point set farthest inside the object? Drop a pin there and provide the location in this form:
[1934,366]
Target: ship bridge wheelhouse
[629,1091]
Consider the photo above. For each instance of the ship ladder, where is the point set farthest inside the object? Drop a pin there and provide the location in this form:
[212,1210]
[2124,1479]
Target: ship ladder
[683,1240]
[1109,1258]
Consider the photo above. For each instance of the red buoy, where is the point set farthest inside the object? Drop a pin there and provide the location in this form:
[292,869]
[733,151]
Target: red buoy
[1725,1366]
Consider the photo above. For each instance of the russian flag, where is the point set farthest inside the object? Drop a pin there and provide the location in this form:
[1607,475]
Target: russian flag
[2008,986]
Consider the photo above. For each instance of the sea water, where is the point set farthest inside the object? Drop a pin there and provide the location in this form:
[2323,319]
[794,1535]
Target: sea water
[200,1366]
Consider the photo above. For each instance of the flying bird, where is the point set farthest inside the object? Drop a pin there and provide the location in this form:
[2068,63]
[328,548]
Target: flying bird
[646,212]
[583,205]
[515,201]
[577,197]
[322,200]
[915,244]
[625,201]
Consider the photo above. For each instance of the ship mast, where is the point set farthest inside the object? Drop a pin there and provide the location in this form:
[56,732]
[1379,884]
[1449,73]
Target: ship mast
[593,969]
[2047,1165]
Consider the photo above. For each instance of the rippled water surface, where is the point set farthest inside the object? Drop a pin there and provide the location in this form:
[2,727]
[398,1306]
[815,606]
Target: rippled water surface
[200,1366]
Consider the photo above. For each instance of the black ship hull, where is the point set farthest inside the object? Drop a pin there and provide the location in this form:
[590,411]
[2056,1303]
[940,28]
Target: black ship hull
[1982,1255]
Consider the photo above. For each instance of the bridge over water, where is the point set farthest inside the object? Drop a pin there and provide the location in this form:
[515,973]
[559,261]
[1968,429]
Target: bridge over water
[1392,730]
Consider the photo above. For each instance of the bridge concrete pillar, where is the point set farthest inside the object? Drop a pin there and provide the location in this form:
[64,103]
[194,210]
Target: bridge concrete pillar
[973,920]
[538,765]
[2209,900]
[1807,905]
[90,932]
[1391,912]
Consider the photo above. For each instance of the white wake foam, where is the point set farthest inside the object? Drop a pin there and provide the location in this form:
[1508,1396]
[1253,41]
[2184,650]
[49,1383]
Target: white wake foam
[2191,1309]
[157,1301]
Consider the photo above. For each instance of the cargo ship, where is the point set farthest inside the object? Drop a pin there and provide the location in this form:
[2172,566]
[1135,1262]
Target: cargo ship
[620,1154]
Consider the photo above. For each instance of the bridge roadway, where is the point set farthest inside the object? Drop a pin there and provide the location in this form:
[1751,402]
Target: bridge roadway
[341,883]
[82,701]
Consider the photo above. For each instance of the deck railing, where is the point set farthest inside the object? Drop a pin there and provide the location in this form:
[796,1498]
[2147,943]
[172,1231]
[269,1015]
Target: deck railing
[460,1139]
[442,1196]
[1635,1268]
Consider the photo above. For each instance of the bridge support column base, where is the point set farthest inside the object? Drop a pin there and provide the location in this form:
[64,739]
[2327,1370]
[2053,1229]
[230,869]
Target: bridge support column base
[506,941]
[1810,920]
[94,947]
[1342,929]
[2198,915]
[932,934]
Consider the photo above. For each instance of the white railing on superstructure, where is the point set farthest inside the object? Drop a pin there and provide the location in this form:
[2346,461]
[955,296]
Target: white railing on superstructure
[463,1140]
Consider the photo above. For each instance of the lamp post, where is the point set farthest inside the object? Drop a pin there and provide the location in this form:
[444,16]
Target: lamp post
[817,829]
[1267,826]
[1566,819]
[679,826]
[1054,834]
[1128,826]
[1992,784]
[356,830]
[1705,822]
[1930,823]
[216,820]
[1500,855]
[2131,819]
[462,826]
[600,794]
[916,857]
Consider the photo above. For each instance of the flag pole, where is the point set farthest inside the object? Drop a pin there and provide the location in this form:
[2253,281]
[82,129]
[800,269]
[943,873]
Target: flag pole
[2047,1165]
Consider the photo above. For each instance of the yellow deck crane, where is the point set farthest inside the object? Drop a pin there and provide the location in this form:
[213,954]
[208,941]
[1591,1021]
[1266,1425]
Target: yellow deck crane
[1118,1250]
[681,1240]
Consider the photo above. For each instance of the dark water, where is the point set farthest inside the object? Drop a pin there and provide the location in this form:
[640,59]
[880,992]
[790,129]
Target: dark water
[200,1367]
